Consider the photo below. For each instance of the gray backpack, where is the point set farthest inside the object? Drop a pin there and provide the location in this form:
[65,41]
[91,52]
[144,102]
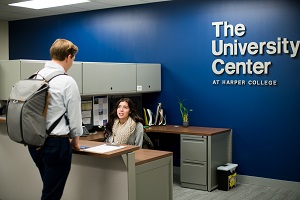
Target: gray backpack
[26,111]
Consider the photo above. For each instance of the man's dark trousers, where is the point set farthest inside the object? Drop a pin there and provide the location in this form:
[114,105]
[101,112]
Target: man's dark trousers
[54,163]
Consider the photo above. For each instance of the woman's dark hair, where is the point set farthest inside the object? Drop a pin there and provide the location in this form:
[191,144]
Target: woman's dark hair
[113,115]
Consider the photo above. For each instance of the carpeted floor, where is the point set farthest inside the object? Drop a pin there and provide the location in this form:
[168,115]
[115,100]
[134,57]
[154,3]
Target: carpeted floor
[239,192]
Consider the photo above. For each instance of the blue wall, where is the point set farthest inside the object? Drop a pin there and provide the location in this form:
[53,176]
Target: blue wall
[178,34]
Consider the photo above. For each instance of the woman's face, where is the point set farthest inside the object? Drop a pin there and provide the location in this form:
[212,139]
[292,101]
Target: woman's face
[123,111]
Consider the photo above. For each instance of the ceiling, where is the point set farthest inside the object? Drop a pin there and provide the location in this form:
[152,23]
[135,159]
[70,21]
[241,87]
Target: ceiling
[11,13]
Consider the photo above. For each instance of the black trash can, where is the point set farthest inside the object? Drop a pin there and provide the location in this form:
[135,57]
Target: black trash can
[226,176]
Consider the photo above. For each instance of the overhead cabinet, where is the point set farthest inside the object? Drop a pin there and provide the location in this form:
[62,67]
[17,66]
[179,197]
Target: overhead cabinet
[30,67]
[9,75]
[148,78]
[108,78]
[92,78]
[120,78]
[11,71]
[76,72]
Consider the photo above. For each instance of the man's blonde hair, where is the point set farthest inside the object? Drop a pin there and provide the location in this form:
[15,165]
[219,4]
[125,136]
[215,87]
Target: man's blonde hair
[62,48]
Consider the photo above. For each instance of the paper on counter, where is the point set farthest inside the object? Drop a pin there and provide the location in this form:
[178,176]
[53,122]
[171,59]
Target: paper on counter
[103,148]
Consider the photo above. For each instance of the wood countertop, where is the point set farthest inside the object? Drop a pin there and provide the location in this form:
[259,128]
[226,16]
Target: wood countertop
[191,130]
[143,156]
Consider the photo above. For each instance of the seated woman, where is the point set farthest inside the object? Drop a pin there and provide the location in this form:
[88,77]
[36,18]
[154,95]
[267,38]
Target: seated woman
[124,125]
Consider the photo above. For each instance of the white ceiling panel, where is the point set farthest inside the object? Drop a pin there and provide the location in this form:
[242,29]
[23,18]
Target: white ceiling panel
[11,13]
[93,6]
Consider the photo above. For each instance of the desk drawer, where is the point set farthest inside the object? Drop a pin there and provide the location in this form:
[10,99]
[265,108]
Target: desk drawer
[193,148]
[193,173]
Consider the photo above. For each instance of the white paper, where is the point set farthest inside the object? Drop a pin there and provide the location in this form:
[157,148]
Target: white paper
[103,148]
[87,120]
[86,113]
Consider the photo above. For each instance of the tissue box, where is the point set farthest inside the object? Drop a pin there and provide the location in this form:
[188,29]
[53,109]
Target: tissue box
[226,176]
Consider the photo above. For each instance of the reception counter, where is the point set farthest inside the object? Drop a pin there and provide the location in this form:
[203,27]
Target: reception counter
[127,173]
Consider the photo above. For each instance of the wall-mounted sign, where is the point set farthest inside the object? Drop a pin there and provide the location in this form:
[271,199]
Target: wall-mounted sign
[248,66]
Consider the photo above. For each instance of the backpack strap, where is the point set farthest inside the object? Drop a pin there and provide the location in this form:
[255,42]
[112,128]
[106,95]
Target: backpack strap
[49,77]
[33,75]
[54,124]
[53,75]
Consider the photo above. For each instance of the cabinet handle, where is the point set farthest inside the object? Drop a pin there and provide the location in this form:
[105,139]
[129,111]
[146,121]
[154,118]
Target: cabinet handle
[195,163]
[192,140]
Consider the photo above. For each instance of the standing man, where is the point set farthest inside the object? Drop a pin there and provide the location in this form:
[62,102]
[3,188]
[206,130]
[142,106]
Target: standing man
[54,159]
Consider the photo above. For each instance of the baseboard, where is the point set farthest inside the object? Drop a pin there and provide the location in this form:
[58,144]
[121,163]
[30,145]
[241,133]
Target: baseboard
[290,185]
[253,180]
